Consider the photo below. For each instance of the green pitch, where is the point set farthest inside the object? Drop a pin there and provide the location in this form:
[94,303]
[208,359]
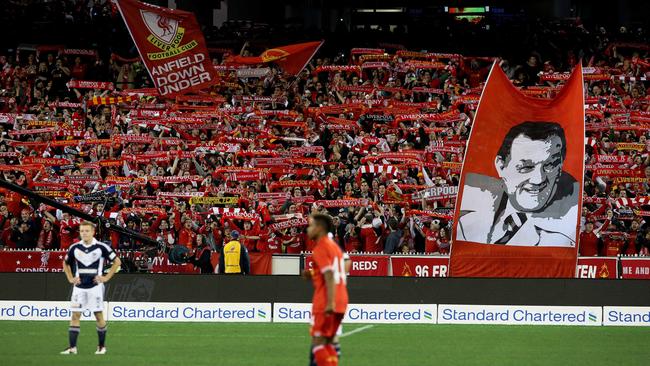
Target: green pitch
[194,344]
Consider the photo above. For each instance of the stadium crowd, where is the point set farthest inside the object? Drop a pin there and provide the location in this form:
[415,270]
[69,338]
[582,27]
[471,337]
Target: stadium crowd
[374,136]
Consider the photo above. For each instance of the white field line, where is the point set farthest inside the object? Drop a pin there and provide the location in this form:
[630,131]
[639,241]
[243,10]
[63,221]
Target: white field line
[357,330]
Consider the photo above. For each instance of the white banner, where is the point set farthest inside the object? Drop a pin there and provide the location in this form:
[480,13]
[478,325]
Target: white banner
[356,313]
[189,312]
[292,312]
[512,314]
[361,313]
[253,73]
[40,310]
[626,315]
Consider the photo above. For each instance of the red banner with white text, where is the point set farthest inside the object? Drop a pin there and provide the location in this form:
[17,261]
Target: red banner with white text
[171,45]
[362,265]
[419,266]
[597,267]
[52,261]
[635,268]
[518,206]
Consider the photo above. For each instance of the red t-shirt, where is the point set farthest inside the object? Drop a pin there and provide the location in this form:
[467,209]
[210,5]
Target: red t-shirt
[295,245]
[13,201]
[269,243]
[443,245]
[68,232]
[352,244]
[78,71]
[187,238]
[613,246]
[369,238]
[272,245]
[250,244]
[328,257]
[588,244]
[431,240]
[260,246]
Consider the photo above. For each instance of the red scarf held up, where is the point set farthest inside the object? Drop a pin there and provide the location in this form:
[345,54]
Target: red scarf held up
[288,224]
[45,239]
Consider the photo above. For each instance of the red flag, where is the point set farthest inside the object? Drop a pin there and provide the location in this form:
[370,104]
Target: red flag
[518,207]
[292,58]
[171,45]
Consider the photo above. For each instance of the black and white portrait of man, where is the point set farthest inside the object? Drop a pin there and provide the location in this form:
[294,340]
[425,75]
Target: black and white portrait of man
[533,202]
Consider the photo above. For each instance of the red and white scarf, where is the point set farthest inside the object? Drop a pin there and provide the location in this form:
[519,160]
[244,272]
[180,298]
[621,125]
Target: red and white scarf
[289,224]
[342,203]
[632,202]
[85,84]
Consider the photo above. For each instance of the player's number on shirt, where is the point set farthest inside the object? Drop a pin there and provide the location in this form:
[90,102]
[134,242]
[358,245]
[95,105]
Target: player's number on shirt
[339,271]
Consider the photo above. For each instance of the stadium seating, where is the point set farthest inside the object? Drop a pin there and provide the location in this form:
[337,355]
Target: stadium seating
[375,138]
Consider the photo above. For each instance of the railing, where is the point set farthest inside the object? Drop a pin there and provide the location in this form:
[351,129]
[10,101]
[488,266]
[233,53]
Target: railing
[17,260]
[363,264]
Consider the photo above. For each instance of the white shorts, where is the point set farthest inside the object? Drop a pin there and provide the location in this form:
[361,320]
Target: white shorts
[91,299]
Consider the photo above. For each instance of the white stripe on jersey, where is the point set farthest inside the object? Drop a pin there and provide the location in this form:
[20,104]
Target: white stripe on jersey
[87,271]
[92,258]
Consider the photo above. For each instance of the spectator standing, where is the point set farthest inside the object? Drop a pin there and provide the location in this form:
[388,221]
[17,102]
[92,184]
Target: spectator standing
[22,236]
[202,256]
[234,257]
[394,238]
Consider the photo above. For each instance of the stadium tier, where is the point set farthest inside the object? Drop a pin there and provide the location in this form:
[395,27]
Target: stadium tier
[326,183]
[376,139]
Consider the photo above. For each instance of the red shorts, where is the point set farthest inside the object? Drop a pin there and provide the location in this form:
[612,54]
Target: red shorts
[325,324]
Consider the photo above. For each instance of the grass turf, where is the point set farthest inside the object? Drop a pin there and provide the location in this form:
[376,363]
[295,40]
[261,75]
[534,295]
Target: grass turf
[196,344]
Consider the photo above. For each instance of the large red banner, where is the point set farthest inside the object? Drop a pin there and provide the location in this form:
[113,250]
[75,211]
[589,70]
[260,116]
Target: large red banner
[362,265]
[420,266]
[635,268]
[291,58]
[597,267]
[171,45]
[518,207]
[31,261]
[52,261]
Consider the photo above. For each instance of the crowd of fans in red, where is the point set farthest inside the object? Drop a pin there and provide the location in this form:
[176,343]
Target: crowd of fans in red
[375,138]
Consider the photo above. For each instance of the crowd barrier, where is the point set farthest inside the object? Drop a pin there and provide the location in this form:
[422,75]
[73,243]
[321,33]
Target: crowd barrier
[437,266]
[366,264]
[51,261]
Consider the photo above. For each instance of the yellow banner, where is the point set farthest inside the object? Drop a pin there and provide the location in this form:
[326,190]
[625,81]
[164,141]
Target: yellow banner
[43,123]
[59,194]
[172,52]
[630,146]
[214,200]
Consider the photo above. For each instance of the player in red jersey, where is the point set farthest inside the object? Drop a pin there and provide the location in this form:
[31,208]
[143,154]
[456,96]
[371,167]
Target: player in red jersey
[330,290]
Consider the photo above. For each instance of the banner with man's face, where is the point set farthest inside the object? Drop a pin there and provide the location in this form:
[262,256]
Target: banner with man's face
[518,207]
[171,45]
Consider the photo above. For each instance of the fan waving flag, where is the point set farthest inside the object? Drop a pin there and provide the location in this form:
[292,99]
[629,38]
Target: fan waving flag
[292,58]
[520,194]
[171,45]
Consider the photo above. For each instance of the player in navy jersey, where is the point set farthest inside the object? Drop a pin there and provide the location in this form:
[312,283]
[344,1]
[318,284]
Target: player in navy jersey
[84,267]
